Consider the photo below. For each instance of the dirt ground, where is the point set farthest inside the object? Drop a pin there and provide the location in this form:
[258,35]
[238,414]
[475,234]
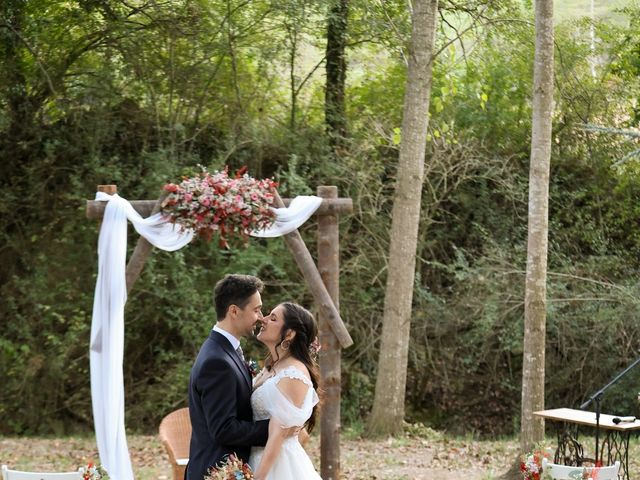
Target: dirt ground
[431,457]
[415,458]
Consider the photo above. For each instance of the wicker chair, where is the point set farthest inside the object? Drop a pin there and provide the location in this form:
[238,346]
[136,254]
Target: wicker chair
[175,434]
[20,475]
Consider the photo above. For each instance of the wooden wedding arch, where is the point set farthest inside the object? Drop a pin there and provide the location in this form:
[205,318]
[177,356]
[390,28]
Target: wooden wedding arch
[323,282]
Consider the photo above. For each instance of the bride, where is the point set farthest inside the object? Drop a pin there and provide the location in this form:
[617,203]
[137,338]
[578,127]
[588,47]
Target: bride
[284,391]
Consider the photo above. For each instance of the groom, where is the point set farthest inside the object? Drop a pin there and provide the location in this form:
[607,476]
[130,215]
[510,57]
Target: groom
[220,383]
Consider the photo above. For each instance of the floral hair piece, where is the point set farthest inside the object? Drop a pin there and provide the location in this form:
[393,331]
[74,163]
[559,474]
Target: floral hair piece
[315,346]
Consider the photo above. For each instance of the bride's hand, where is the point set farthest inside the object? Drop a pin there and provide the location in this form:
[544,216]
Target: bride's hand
[303,437]
[290,431]
[260,378]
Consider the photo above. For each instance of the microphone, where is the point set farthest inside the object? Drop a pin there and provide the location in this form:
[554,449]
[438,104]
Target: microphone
[618,420]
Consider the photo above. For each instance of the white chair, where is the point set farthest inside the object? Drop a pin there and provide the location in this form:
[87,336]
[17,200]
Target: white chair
[20,475]
[565,472]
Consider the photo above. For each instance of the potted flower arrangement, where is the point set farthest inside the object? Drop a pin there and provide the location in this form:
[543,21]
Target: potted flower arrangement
[531,465]
[95,472]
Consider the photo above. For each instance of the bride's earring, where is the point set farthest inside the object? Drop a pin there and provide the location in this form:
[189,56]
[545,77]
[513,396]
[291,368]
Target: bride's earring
[285,345]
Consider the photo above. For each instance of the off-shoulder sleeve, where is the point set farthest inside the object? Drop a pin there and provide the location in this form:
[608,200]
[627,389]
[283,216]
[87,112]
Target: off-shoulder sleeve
[284,410]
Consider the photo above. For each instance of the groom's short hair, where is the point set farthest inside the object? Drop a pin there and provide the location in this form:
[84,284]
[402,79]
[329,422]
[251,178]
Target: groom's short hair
[235,289]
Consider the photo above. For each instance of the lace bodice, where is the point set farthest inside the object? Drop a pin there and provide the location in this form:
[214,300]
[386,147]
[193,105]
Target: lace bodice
[268,401]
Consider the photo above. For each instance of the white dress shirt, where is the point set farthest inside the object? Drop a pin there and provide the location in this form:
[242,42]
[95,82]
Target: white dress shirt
[235,343]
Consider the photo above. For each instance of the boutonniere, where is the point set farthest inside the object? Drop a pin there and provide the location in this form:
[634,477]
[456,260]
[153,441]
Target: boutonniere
[252,365]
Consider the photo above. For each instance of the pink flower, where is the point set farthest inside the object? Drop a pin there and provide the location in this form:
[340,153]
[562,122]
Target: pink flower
[214,202]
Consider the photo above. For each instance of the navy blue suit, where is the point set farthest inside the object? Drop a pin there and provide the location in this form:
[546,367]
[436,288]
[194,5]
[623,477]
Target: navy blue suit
[220,408]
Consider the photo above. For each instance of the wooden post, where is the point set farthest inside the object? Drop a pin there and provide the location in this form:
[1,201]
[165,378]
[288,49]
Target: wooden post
[108,189]
[330,353]
[307,266]
[329,206]
[143,247]
[141,252]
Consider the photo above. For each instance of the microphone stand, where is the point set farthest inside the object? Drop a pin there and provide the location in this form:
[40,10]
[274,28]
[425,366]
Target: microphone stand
[597,398]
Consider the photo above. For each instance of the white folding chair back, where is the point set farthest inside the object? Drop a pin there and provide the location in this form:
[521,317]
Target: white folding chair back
[565,472]
[20,475]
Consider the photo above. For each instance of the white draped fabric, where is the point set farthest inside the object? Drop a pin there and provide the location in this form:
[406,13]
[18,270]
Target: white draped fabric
[288,219]
[107,325]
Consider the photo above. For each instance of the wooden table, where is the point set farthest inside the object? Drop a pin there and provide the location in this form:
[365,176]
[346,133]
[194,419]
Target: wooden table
[615,437]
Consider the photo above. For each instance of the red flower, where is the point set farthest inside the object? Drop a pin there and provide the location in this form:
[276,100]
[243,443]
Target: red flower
[214,202]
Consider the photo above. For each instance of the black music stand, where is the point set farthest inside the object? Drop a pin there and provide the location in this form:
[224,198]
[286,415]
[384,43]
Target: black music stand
[597,397]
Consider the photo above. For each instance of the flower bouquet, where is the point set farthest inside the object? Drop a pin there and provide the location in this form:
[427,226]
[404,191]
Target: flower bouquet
[214,202]
[531,465]
[95,472]
[231,469]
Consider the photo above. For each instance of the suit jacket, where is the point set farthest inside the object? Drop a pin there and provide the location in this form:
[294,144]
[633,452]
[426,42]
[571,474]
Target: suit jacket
[220,408]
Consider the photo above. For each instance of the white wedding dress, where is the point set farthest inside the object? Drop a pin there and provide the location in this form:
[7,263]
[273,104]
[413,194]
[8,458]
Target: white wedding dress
[267,402]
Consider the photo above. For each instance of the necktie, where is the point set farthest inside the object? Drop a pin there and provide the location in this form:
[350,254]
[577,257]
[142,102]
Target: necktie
[239,352]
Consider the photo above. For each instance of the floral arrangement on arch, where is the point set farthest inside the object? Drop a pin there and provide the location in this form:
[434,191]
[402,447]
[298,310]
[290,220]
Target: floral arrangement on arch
[531,465]
[95,472]
[215,202]
[231,469]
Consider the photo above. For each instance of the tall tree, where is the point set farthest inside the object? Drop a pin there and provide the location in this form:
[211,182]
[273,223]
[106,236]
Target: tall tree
[334,112]
[388,407]
[336,66]
[532,429]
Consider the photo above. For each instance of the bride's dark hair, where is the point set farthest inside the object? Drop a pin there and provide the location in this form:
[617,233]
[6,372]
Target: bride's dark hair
[301,321]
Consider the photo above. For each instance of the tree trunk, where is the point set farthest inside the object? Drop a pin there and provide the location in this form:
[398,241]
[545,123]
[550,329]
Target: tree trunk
[532,429]
[293,53]
[336,67]
[388,408]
